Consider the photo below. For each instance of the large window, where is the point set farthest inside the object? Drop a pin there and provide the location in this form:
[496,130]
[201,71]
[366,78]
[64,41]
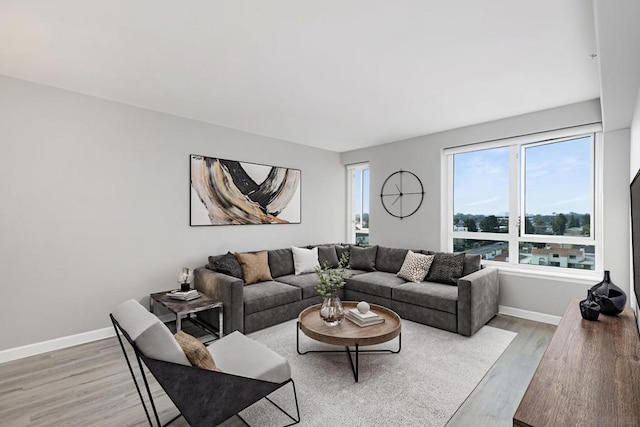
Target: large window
[530,202]
[358,203]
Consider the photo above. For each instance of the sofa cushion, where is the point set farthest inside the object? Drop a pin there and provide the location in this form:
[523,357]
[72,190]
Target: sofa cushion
[446,268]
[265,295]
[341,249]
[328,254]
[390,259]
[415,267]
[428,294]
[471,263]
[226,264]
[374,283]
[281,262]
[363,258]
[305,282]
[255,267]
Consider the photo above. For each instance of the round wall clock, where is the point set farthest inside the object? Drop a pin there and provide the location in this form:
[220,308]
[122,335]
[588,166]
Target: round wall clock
[402,194]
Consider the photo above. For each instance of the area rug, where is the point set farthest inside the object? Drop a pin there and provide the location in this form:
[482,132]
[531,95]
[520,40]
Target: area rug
[423,385]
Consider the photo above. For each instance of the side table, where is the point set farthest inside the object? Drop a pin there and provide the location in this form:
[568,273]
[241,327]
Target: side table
[187,308]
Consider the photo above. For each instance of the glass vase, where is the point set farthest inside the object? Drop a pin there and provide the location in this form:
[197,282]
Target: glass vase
[331,311]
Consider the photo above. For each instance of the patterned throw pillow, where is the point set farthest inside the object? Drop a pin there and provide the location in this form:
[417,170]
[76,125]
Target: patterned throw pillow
[196,352]
[255,267]
[446,268]
[415,267]
[226,264]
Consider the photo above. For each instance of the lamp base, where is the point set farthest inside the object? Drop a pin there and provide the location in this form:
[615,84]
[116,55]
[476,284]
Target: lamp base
[185,287]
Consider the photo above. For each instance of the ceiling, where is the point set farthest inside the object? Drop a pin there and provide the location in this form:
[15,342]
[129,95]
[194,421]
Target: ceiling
[339,75]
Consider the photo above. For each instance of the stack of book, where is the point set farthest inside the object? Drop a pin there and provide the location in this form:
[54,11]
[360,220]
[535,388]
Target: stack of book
[184,296]
[367,319]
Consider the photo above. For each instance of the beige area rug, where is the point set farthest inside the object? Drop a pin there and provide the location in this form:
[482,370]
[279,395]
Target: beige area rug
[423,385]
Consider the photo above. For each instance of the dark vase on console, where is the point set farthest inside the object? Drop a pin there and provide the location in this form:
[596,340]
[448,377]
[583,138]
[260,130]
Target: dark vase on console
[589,309]
[609,297]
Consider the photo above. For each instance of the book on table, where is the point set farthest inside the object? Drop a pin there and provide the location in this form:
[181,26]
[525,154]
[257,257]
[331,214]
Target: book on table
[363,322]
[184,296]
[364,316]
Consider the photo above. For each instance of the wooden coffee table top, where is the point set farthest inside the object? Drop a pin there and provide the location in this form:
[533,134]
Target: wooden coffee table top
[348,333]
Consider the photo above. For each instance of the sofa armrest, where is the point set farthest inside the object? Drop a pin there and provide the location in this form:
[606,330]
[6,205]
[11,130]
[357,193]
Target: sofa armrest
[477,300]
[227,289]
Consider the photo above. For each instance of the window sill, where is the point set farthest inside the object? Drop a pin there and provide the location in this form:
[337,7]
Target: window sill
[571,276]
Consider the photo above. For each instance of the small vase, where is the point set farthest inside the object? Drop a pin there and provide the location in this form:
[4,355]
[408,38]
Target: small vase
[589,309]
[609,297]
[331,311]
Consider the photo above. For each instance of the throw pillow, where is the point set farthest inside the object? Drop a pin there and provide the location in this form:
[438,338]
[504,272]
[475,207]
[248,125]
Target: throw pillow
[226,264]
[255,267]
[471,263]
[446,268]
[196,352]
[363,258]
[305,260]
[415,267]
[340,249]
[281,262]
[329,255]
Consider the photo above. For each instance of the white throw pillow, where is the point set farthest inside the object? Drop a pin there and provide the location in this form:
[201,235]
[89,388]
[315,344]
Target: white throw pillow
[415,267]
[305,260]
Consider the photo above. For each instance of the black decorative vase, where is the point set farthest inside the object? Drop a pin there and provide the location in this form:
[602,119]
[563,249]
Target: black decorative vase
[589,309]
[609,297]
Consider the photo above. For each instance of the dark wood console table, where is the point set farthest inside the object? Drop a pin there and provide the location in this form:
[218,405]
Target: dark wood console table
[588,376]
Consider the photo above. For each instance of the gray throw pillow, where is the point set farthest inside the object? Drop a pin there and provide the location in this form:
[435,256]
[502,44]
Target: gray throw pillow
[363,258]
[281,262]
[341,249]
[471,263]
[446,268]
[329,255]
[226,264]
[390,259]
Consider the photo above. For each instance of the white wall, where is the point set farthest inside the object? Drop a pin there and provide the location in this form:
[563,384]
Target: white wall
[634,166]
[422,156]
[95,206]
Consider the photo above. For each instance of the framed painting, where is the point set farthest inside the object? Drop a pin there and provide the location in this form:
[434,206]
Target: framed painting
[230,192]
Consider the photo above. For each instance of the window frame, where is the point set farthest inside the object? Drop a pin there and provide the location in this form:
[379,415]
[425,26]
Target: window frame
[516,203]
[351,223]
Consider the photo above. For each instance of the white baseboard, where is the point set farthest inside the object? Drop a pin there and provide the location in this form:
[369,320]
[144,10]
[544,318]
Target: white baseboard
[55,344]
[529,315]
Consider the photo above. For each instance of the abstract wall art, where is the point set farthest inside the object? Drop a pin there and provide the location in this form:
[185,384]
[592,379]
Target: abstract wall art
[229,192]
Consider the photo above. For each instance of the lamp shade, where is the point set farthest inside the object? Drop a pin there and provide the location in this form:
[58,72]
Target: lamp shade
[185,275]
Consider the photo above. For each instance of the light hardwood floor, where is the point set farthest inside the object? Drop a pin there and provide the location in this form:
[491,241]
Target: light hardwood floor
[90,385]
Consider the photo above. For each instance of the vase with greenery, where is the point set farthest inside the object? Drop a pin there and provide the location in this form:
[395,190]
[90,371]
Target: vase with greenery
[331,280]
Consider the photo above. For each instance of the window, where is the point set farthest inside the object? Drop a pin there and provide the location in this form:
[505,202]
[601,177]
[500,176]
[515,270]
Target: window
[358,203]
[528,201]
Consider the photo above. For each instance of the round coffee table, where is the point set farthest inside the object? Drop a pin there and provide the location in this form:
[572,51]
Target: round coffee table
[348,334]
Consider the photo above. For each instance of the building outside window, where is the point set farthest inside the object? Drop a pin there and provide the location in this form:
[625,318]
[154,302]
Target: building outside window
[358,203]
[528,201]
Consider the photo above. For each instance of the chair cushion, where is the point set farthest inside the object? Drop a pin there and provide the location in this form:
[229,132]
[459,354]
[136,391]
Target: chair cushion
[281,262]
[374,283]
[238,355]
[305,282]
[195,351]
[390,259]
[265,295]
[150,335]
[428,294]
[255,267]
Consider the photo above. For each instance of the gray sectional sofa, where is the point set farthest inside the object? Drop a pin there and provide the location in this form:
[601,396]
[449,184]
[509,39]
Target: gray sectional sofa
[457,294]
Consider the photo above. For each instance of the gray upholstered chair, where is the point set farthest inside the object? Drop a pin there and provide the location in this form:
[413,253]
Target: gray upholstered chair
[250,371]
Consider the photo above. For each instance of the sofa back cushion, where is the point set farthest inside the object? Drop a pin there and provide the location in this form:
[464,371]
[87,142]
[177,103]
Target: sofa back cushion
[363,258]
[471,263]
[281,262]
[446,268]
[390,259]
[226,264]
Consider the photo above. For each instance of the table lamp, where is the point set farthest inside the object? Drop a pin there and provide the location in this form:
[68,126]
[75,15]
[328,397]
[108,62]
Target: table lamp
[185,276]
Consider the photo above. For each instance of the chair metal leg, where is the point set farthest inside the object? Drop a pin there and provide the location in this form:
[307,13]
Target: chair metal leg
[295,397]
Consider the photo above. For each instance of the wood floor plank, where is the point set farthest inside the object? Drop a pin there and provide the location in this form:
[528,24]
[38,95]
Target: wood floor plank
[90,385]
